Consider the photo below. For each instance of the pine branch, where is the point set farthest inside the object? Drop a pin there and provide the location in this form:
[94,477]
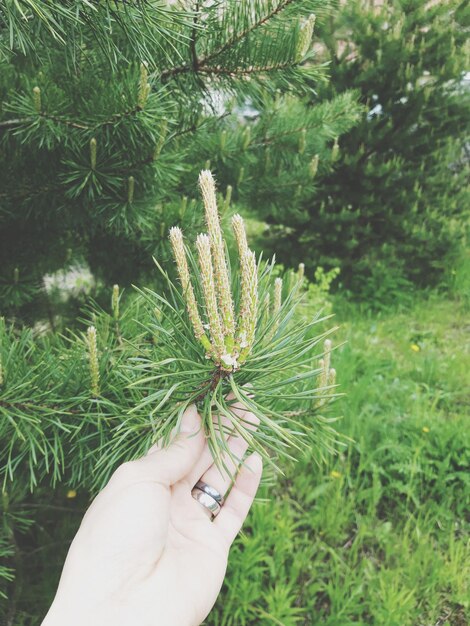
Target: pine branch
[202,63]
[273,139]
[245,72]
[116,117]
[244,33]
[192,43]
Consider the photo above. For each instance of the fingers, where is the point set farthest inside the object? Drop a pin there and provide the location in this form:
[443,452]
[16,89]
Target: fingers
[240,498]
[169,465]
[222,478]
[225,428]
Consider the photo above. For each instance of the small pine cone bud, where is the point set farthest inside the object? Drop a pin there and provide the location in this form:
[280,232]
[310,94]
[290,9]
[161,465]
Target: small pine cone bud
[277,295]
[248,304]
[332,377]
[227,199]
[302,141]
[224,293]
[16,275]
[203,246]
[130,189]
[301,272]
[267,159]
[144,87]
[238,226]
[241,175]
[115,302]
[93,362]
[327,348]
[161,141]
[176,240]
[93,145]
[246,137]
[277,304]
[335,150]
[183,206]
[325,364]
[305,37]
[37,99]
[314,166]
[223,140]
[143,95]
[267,309]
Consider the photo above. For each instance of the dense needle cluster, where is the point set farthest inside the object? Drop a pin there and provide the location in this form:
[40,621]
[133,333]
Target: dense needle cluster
[227,338]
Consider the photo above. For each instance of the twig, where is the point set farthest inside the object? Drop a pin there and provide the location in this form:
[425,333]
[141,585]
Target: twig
[239,36]
[240,72]
[192,43]
[180,69]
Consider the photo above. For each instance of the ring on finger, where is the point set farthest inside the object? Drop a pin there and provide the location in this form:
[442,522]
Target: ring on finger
[210,505]
[211,491]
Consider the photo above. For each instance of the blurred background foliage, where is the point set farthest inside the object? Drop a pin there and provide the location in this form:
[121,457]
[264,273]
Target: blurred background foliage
[345,145]
[395,207]
[103,137]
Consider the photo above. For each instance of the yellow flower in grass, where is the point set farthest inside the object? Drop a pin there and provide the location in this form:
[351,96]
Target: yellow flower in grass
[71,493]
[415,347]
[335,474]
[425,429]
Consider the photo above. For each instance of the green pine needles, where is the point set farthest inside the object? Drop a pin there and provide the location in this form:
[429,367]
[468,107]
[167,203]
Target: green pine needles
[225,328]
[230,333]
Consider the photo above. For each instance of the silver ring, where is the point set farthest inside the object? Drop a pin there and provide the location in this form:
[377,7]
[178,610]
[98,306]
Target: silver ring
[211,491]
[211,506]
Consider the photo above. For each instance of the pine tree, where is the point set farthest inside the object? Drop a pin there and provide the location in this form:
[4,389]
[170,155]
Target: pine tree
[109,111]
[396,202]
[74,407]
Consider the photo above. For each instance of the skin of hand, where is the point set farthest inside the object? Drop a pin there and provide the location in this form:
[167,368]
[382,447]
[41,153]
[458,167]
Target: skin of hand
[146,553]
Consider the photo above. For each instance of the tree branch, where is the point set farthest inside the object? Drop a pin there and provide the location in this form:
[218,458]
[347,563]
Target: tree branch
[181,69]
[192,43]
[244,72]
[241,35]
[73,124]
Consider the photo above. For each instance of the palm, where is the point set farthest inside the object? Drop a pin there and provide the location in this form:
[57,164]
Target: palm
[147,542]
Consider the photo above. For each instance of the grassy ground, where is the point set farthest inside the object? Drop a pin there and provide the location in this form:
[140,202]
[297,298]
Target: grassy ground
[380,534]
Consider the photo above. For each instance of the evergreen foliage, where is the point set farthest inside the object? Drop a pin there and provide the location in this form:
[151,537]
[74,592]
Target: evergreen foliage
[397,201]
[109,111]
[74,407]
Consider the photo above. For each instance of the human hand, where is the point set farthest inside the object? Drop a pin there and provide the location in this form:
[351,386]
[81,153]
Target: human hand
[146,553]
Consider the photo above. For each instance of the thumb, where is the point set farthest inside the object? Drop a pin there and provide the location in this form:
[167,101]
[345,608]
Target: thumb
[169,465]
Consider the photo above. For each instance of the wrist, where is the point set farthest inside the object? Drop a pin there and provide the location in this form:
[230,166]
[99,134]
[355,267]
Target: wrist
[66,612]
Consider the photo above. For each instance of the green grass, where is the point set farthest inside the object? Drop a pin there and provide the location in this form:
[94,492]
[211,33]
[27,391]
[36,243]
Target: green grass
[379,534]
[376,535]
